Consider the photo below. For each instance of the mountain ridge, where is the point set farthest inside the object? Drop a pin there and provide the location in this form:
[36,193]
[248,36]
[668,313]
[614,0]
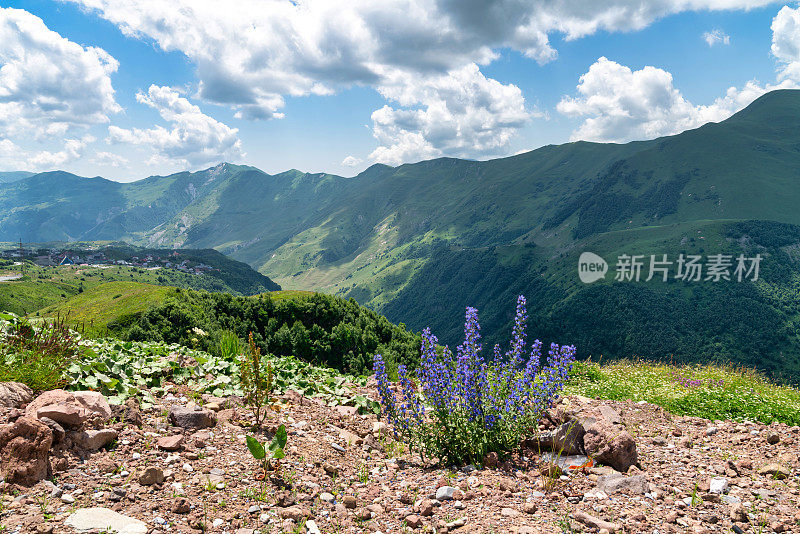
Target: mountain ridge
[385,235]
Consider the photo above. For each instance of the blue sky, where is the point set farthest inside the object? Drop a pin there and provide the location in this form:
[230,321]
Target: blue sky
[130,88]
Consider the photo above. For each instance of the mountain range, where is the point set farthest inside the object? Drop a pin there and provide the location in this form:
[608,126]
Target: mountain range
[421,241]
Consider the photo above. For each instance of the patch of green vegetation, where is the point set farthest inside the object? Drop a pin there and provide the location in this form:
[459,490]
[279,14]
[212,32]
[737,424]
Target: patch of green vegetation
[707,391]
[108,307]
[48,355]
[317,328]
[35,356]
[52,287]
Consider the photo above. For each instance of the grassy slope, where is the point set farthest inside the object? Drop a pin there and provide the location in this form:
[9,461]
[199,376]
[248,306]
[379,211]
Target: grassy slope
[48,286]
[113,302]
[110,303]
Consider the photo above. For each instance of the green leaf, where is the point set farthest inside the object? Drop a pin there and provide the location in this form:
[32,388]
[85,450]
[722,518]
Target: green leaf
[256,448]
[278,454]
[279,441]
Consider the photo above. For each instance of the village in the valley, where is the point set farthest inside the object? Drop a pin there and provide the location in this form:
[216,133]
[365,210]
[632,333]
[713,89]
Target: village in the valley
[106,255]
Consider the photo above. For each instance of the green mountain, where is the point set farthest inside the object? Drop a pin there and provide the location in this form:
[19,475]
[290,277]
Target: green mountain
[13,176]
[420,241]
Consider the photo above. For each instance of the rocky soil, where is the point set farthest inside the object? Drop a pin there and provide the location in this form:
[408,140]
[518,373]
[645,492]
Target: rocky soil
[72,463]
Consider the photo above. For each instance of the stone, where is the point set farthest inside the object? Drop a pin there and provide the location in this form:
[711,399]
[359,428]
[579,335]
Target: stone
[617,483]
[346,411]
[58,431]
[104,520]
[776,471]
[91,403]
[295,513]
[66,414]
[170,443]
[610,445]
[151,475]
[509,512]
[312,528]
[94,402]
[192,418]
[14,394]
[597,523]
[718,485]
[181,506]
[610,414]
[773,437]
[349,501]
[566,439]
[414,521]
[326,497]
[529,507]
[132,413]
[445,493]
[24,451]
[94,440]
[738,513]
[426,508]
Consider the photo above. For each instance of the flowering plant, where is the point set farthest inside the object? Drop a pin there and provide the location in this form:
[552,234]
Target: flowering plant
[461,407]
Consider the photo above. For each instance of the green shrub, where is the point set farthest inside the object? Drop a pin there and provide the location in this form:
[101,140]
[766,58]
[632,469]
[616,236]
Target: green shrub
[36,355]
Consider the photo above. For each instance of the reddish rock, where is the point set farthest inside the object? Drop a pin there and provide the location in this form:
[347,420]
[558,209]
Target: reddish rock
[610,445]
[426,508]
[295,513]
[24,451]
[414,521]
[88,403]
[65,414]
[170,443]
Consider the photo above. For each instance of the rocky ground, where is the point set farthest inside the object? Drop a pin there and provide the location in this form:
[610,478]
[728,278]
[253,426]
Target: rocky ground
[71,463]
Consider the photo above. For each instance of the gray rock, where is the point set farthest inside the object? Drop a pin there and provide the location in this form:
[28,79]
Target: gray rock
[566,439]
[445,493]
[14,394]
[104,520]
[94,440]
[195,418]
[617,483]
[58,430]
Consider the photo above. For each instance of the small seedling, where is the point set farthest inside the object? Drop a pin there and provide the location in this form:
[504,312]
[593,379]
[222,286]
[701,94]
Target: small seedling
[275,448]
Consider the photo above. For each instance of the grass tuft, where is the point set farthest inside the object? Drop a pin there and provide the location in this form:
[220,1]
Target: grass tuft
[707,391]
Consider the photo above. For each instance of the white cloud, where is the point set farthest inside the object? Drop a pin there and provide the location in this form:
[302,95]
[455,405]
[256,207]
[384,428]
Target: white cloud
[622,105]
[109,159]
[48,84]
[461,113]
[194,138]
[786,42]
[351,161]
[716,37]
[14,157]
[253,54]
